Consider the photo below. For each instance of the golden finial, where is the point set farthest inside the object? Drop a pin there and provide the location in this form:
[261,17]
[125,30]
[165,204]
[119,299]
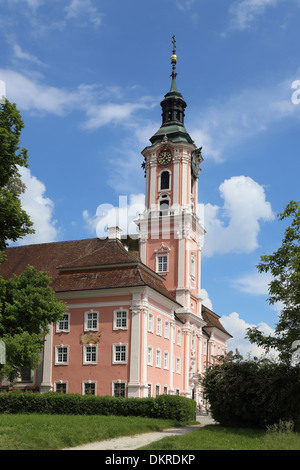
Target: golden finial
[174,56]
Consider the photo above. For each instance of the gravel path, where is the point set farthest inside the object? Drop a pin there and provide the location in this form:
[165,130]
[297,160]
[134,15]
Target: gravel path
[140,440]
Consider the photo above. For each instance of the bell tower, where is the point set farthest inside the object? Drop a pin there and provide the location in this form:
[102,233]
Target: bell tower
[170,230]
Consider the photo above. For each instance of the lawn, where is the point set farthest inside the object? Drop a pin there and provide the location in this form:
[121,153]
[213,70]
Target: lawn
[213,437]
[50,432]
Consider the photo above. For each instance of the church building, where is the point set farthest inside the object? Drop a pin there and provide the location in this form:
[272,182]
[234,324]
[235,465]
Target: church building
[134,325]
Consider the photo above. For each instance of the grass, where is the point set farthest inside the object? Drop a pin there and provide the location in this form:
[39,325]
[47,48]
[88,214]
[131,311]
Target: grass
[213,437]
[51,432]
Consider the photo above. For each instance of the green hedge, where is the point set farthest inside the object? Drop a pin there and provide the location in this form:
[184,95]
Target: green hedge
[254,393]
[164,406]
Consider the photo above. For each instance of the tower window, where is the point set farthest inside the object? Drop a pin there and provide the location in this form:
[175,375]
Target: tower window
[162,263]
[164,207]
[165,180]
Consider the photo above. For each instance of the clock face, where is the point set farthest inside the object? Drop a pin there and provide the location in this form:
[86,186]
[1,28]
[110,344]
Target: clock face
[164,158]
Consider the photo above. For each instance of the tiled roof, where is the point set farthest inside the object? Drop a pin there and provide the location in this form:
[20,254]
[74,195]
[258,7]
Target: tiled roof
[85,264]
[212,320]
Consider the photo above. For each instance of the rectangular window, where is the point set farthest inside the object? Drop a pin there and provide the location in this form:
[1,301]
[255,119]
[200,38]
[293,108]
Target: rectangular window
[150,322]
[64,323]
[150,356]
[89,388]
[61,354]
[90,354]
[167,329]
[158,358]
[178,365]
[120,320]
[162,263]
[165,390]
[157,390]
[166,360]
[158,326]
[149,390]
[61,387]
[119,389]
[91,321]
[120,353]
[179,337]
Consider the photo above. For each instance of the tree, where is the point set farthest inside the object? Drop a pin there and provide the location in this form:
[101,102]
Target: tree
[284,265]
[14,221]
[27,307]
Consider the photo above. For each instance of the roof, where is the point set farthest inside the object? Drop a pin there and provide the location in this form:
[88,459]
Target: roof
[212,320]
[85,264]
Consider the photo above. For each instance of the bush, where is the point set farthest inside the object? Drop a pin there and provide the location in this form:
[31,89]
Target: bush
[165,406]
[254,393]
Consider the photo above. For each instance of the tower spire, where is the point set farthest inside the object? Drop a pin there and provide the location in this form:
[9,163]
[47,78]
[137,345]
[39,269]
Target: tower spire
[173,62]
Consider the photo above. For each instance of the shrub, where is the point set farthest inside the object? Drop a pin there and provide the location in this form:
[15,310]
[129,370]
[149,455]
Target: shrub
[254,393]
[165,406]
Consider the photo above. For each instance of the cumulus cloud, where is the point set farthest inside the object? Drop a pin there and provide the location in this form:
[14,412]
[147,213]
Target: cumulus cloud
[40,209]
[235,226]
[237,327]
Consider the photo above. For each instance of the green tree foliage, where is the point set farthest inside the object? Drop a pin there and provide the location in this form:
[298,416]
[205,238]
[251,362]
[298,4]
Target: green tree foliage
[253,393]
[27,307]
[14,221]
[284,265]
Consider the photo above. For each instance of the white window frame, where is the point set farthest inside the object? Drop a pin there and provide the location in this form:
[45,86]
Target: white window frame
[116,319]
[120,383]
[170,180]
[150,356]
[57,354]
[167,329]
[150,322]
[59,327]
[87,320]
[158,358]
[166,360]
[162,263]
[178,337]
[59,383]
[120,349]
[158,326]
[89,382]
[178,365]
[86,352]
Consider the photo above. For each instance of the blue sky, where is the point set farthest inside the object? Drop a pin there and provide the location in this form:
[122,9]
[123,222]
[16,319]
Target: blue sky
[88,77]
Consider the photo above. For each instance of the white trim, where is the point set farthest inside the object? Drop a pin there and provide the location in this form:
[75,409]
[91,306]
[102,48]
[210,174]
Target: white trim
[63,330]
[158,358]
[88,382]
[84,352]
[115,312]
[121,352]
[149,356]
[61,363]
[91,311]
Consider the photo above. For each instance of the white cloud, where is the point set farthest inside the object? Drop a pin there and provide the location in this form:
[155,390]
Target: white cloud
[237,327]
[254,283]
[235,226]
[20,54]
[83,11]
[243,13]
[242,115]
[39,208]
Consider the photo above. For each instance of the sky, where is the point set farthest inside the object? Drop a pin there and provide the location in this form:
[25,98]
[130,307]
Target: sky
[88,77]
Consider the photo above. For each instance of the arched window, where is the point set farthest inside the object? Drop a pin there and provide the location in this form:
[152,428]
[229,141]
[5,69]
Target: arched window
[165,180]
